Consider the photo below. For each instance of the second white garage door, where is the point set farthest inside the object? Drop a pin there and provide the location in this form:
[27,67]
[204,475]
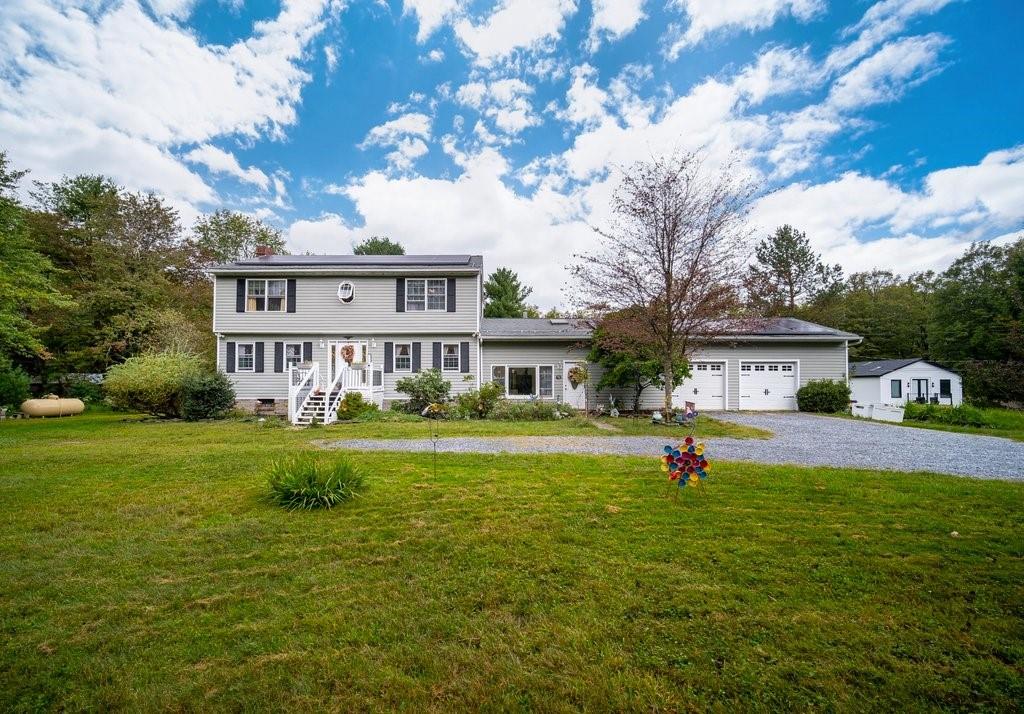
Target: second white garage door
[705,387]
[768,385]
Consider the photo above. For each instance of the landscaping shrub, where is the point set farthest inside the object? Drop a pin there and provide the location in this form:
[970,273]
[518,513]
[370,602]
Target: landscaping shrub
[353,406]
[509,410]
[307,481]
[427,387]
[151,383]
[823,395]
[14,383]
[206,395]
[88,391]
[963,415]
[480,403]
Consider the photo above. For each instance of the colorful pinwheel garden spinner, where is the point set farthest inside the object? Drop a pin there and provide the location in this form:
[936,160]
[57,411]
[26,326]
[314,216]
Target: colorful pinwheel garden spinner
[686,464]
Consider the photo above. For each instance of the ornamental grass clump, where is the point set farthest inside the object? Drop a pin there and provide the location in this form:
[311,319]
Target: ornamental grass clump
[308,481]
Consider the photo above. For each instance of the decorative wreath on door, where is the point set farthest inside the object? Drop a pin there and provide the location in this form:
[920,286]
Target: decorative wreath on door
[348,353]
[577,375]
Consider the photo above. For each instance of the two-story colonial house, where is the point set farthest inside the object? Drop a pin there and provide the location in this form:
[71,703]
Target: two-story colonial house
[297,332]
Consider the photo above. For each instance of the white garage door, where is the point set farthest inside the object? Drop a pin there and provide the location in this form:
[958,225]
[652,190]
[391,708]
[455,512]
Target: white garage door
[705,387]
[768,385]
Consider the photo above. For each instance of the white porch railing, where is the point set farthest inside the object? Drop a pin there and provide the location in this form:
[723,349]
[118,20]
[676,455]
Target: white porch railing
[368,381]
[302,380]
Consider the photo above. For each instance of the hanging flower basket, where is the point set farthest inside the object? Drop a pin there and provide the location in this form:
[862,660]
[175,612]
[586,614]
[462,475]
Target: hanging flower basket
[577,375]
[348,353]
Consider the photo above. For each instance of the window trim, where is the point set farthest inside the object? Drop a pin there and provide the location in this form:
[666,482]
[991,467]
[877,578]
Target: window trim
[508,366]
[395,356]
[238,356]
[284,353]
[266,294]
[426,294]
[899,385]
[458,357]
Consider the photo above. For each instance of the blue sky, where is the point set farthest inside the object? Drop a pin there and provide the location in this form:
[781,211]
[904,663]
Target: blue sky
[889,131]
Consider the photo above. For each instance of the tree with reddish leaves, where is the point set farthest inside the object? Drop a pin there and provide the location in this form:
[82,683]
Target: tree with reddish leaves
[674,254]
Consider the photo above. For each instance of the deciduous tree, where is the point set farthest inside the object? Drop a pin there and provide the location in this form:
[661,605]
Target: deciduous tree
[674,252]
[379,245]
[225,236]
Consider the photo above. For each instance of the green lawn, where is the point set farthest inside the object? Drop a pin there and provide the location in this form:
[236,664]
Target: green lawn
[622,426]
[142,568]
[1007,423]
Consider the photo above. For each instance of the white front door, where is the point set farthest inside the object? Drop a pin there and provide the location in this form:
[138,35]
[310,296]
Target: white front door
[705,387]
[768,385]
[336,354]
[575,397]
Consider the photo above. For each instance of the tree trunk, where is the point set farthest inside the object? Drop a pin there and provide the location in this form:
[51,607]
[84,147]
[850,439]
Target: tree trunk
[668,388]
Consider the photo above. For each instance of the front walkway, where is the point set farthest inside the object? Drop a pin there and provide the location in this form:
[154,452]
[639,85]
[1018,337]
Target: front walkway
[799,439]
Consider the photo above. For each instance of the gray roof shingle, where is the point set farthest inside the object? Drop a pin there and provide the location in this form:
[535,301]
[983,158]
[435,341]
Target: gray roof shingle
[352,261]
[570,328]
[879,367]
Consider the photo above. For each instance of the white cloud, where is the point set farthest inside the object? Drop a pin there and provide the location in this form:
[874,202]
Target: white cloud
[887,74]
[880,22]
[331,57]
[327,234]
[431,14]
[505,101]
[585,101]
[709,16]
[515,25]
[435,55]
[407,135]
[219,161]
[613,19]
[111,89]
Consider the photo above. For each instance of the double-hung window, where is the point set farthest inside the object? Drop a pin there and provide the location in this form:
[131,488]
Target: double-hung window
[546,379]
[292,354]
[498,375]
[430,294]
[450,358]
[403,357]
[265,295]
[245,357]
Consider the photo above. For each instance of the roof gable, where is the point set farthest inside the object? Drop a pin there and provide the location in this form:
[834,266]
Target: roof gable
[880,367]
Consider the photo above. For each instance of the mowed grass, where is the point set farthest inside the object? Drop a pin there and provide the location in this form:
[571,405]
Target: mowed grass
[1007,423]
[142,568]
[577,426]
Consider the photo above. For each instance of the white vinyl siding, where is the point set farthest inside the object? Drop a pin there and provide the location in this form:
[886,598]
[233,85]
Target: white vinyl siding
[319,312]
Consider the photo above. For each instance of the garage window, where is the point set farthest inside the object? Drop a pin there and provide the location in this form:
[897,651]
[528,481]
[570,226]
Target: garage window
[716,368]
[895,389]
[745,368]
[787,368]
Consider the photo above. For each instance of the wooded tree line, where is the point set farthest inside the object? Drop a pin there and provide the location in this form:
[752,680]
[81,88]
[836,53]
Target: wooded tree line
[969,316]
[94,274]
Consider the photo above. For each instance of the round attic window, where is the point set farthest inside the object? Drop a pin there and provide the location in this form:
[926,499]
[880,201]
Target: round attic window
[346,291]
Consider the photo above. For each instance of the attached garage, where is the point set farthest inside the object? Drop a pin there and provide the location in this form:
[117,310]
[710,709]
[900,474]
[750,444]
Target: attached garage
[705,387]
[768,385]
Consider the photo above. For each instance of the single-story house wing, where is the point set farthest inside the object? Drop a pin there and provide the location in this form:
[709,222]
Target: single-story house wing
[898,381]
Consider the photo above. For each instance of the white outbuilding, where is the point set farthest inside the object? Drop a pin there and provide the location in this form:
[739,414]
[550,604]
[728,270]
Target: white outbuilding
[898,381]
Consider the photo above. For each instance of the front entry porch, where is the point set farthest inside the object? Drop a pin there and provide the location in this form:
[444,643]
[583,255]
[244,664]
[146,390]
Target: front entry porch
[314,393]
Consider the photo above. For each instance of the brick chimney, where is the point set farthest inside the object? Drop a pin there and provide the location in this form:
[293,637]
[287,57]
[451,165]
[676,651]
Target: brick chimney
[262,251]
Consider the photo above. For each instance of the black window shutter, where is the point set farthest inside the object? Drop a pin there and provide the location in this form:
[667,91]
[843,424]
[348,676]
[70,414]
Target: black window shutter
[240,295]
[437,355]
[290,300]
[464,356]
[307,351]
[231,357]
[416,356]
[389,357]
[451,294]
[400,295]
[259,356]
[278,356]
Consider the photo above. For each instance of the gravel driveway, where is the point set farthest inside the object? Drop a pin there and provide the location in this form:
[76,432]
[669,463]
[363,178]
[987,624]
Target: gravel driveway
[799,439]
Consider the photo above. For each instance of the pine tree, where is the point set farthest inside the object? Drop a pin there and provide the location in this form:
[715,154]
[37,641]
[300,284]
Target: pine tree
[787,273]
[505,296]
